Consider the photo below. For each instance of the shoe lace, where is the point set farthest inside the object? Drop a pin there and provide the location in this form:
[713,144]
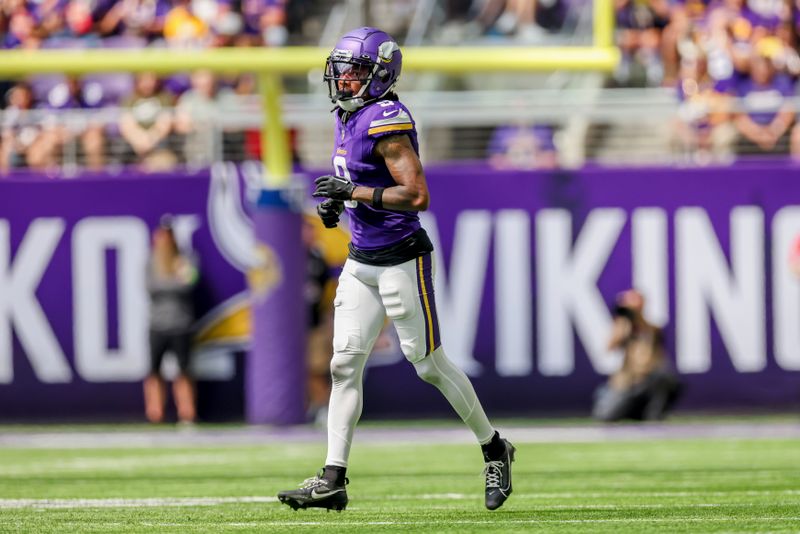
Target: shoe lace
[317,481]
[313,482]
[493,473]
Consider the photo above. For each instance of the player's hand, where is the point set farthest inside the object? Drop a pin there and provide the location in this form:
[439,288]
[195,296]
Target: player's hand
[333,187]
[329,212]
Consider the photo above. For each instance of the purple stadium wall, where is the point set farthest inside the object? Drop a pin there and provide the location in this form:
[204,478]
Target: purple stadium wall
[528,264]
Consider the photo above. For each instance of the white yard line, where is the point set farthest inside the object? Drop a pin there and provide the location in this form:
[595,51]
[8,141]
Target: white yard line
[260,435]
[154,502]
[130,503]
[494,522]
[596,495]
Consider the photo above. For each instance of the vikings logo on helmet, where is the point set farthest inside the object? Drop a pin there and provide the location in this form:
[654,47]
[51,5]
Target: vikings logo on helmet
[386,51]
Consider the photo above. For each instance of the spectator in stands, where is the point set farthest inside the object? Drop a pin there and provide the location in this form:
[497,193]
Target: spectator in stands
[768,14]
[67,96]
[521,18]
[264,23]
[237,100]
[49,16]
[135,18]
[80,20]
[645,387]
[640,24]
[147,122]
[183,28]
[21,27]
[227,26]
[29,139]
[171,278]
[725,43]
[685,18]
[523,147]
[763,125]
[196,116]
[703,132]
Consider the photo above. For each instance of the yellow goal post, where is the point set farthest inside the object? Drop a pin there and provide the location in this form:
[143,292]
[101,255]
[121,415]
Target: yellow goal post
[271,63]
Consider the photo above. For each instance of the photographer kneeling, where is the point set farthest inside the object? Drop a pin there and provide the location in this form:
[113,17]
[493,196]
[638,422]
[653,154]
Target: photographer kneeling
[645,386]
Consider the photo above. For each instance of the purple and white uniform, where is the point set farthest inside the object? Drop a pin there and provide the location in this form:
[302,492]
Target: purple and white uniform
[389,271]
[354,159]
[383,238]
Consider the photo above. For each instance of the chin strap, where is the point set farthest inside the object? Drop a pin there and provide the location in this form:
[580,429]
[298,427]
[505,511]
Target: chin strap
[351,105]
[352,102]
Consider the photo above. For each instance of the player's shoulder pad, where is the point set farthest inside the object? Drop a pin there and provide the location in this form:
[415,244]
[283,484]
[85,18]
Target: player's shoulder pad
[388,117]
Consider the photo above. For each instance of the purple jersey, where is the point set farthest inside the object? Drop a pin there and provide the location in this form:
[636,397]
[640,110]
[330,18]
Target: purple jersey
[766,13]
[764,101]
[353,159]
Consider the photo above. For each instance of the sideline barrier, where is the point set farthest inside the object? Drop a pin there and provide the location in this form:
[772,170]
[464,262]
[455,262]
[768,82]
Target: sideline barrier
[528,266]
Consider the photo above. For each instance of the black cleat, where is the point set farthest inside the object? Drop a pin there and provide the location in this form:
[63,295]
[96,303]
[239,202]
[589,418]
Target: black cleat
[498,478]
[316,492]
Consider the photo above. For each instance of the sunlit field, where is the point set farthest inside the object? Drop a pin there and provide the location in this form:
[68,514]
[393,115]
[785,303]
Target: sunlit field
[419,482]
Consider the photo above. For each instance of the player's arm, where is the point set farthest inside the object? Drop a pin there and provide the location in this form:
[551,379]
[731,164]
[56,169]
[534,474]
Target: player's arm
[411,191]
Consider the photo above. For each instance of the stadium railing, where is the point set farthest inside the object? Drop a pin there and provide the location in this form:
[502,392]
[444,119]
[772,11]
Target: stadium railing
[271,64]
[627,127]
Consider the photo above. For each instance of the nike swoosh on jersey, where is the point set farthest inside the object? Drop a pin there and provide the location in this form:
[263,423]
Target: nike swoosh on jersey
[400,118]
[390,112]
[315,495]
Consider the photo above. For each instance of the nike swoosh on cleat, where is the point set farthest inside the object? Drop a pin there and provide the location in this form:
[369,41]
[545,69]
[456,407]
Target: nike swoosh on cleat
[315,495]
[392,112]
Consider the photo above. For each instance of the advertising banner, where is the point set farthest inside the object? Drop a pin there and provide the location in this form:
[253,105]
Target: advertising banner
[73,303]
[529,265]
[527,268]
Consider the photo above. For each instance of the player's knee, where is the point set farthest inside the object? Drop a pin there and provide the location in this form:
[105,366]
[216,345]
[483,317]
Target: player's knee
[413,350]
[348,344]
[427,370]
[343,369]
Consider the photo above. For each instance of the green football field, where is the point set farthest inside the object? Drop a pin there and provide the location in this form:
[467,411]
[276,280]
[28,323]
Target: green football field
[426,484]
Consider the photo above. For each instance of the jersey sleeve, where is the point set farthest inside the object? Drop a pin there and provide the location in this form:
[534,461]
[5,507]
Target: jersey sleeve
[389,117]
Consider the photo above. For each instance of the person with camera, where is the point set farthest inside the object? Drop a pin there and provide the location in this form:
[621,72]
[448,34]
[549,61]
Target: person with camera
[645,386]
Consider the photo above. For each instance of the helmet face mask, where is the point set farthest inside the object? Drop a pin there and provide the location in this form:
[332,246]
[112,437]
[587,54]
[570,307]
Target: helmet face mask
[339,73]
[368,56]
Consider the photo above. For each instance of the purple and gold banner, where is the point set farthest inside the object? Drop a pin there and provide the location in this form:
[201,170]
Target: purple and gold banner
[526,267]
[73,304]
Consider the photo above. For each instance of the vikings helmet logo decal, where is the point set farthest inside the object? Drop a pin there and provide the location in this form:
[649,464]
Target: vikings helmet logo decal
[386,50]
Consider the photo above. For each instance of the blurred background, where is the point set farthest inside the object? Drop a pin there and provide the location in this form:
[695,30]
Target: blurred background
[675,173]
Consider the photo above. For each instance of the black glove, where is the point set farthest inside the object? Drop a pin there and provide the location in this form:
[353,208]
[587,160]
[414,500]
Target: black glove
[329,212]
[333,187]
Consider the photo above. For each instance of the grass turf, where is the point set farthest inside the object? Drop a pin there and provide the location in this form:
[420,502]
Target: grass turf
[669,486]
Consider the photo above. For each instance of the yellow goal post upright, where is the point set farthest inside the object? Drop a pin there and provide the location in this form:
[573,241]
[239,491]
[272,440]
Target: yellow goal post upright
[271,63]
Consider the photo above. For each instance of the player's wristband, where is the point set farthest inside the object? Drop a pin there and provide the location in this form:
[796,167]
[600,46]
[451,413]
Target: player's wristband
[377,198]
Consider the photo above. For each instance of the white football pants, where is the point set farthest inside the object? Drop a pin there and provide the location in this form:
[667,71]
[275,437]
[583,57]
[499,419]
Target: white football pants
[365,296]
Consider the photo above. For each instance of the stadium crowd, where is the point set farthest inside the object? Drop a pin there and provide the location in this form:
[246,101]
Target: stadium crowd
[733,63]
[144,119]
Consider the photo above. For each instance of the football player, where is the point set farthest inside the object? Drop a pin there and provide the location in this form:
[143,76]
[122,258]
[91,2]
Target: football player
[379,179]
